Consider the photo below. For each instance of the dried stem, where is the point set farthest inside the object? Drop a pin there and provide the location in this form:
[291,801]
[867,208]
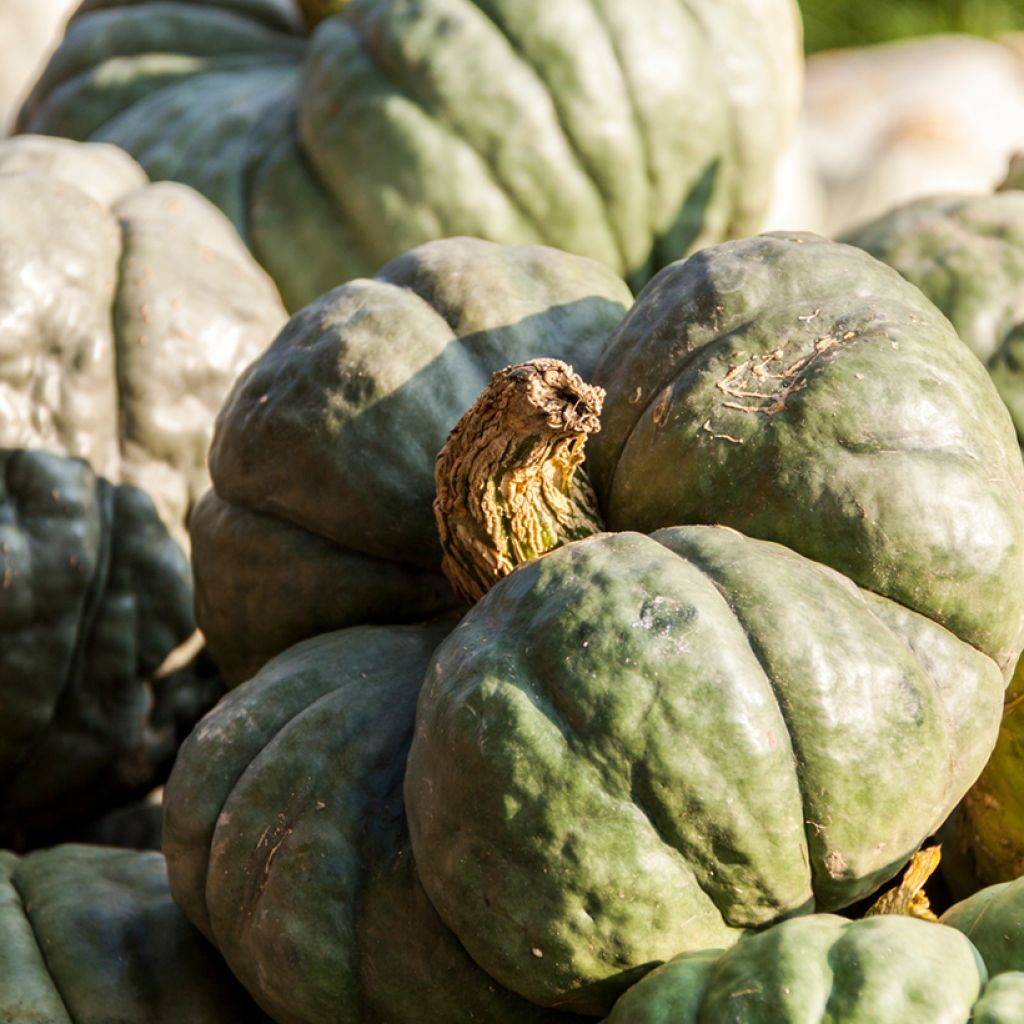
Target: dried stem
[510,485]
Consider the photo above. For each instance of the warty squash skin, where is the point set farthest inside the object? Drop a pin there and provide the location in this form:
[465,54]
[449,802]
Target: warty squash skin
[90,935]
[615,794]
[627,135]
[323,455]
[126,311]
[286,842]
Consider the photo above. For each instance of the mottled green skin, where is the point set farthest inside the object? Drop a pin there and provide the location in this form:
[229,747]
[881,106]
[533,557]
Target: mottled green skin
[286,842]
[630,137]
[90,935]
[966,253]
[323,456]
[637,745]
[126,311]
[95,595]
[825,970]
[886,454]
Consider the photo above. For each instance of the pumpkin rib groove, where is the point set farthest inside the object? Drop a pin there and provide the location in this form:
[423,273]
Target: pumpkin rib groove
[91,602]
[581,161]
[312,180]
[252,765]
[26,910]
[758,654]
[645,141]
[613,785]
[401,89]
[733,134]
[97,24]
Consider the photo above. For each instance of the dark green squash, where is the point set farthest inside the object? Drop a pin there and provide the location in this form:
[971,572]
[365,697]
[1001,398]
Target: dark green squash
[286,842]
[90,935]
[96,595]
[635,746]
[322,461]
[627,136]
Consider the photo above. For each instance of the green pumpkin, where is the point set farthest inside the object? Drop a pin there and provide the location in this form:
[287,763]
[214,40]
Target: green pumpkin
[322,461]
[828,970]
[126,311]
[286,842]
[90,935]
[630,137]
[966,253]
[639,745]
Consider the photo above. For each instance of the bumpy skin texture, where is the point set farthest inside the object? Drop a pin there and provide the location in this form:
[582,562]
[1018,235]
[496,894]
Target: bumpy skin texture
[286,842]
[800,391]
[628,138]
[95,595]
[127,310]
[966,253]
[631,748]
[90,935]
[323,457]
[637,745]
[825,970]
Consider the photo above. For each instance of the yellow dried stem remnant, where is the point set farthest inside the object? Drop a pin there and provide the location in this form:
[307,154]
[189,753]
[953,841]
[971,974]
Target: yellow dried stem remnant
[510,484]
[909,897]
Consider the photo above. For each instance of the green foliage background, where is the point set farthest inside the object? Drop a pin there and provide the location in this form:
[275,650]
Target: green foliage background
[830,23]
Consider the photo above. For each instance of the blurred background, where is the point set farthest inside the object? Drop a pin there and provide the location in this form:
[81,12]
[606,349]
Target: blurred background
[834,23]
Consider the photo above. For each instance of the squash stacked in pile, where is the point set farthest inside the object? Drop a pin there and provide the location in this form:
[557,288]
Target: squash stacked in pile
[587,657]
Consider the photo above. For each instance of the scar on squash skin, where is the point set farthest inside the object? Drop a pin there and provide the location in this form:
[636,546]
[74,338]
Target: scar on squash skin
[769,381]
[274,836]
[835,864]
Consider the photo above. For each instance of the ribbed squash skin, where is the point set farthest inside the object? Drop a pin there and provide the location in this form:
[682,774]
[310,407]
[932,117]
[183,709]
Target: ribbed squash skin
[323,457]
[96,595]
[90,935]
[966,253]
[126,310]
[829,970]
[630,136]
[594,784]
[635,746]
[286,842]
